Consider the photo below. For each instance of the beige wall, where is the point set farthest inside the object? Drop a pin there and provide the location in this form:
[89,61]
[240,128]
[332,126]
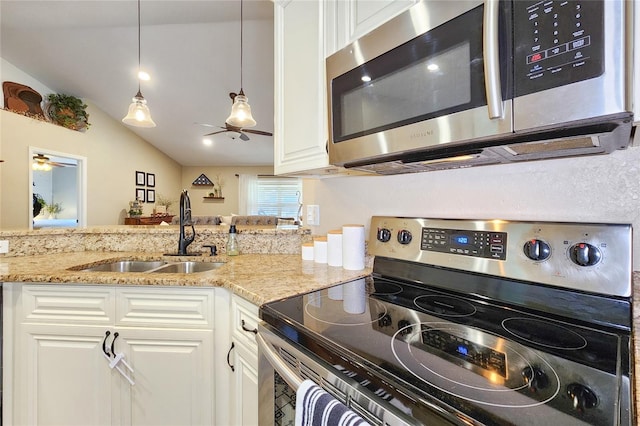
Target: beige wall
[113,153]
[202,207]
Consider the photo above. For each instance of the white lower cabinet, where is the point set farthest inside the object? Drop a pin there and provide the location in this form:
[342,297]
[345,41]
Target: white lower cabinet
[244,320]
[56,373]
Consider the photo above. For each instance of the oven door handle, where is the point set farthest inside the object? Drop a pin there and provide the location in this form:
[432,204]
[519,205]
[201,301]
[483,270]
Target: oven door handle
[276,362]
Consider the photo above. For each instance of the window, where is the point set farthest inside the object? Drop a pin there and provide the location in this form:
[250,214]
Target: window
[270,195]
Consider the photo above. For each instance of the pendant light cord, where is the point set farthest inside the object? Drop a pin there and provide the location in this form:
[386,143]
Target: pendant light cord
[138,46]
[241,36]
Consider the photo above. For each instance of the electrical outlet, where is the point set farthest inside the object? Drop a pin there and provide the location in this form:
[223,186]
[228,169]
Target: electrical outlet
[4,246]
[313,215]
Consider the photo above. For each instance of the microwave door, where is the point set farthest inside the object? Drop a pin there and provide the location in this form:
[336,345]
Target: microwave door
[445,85]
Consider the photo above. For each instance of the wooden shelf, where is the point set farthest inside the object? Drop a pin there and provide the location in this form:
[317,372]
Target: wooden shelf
[213,198]
[148,220]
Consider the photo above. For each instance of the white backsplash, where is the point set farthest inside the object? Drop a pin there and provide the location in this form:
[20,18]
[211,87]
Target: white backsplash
[600,189]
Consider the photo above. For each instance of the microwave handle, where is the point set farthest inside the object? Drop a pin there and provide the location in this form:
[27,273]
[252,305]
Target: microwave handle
[278,365]
[491,53]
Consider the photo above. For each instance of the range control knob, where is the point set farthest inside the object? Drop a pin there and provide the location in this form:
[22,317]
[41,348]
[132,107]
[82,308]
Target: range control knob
[584,254]
[537,250]
[404,327]
[384,235]
[583,398]
[535,378]
[384,320]
[404,236]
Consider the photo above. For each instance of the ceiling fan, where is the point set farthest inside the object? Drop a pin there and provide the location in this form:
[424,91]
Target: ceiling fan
[41,161]
[234,131]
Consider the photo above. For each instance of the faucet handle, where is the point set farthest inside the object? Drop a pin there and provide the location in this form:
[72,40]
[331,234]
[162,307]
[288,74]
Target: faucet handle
[213,248]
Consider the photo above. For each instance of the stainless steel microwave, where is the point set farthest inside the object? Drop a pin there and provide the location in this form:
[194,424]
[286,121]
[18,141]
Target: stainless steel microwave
[464,83]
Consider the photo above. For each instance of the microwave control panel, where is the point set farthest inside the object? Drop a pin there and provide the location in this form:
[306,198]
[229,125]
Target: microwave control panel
[557,43]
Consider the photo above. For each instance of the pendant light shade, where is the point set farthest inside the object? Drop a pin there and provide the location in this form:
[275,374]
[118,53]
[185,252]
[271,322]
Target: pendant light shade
[240,110]
[139,114]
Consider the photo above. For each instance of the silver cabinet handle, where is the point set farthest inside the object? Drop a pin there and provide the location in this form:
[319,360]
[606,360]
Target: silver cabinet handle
[278,365]
[491,54]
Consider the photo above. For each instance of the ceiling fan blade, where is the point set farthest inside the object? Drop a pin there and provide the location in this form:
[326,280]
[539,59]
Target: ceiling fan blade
[244,137]
[257,132]
[215,133]
[57,164]
[207,125]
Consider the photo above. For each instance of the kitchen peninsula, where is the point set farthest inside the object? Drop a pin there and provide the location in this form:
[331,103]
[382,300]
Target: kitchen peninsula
[182,333]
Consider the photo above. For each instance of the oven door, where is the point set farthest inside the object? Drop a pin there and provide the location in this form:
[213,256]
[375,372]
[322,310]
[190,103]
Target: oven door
[436,74]
[283,366]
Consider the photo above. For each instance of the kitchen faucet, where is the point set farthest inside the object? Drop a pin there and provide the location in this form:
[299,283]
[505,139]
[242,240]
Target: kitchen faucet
[185,220]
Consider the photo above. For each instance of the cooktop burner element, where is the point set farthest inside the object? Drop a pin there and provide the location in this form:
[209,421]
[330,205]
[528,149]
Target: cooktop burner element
[544,333]
[483,337]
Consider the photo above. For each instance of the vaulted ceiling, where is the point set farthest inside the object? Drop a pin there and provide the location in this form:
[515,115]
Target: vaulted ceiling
[191,49]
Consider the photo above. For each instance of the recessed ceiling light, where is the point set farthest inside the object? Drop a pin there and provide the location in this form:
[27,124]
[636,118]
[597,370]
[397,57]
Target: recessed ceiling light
[143,75]
[365,78]
[207,142]
[433,67]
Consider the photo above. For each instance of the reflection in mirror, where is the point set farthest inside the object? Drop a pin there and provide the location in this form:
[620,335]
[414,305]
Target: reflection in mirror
[55,184]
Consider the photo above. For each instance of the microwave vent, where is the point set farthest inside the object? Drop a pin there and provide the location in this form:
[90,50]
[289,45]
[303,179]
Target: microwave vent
[557,145]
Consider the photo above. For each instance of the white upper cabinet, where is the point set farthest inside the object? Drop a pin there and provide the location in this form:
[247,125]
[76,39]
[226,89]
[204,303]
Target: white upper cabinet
[306,32]
[355,18]
[300,114]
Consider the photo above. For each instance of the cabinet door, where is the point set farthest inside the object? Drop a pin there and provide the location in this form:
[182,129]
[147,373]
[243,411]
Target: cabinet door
[358,17]
[173,375]
[61,376]
[245,386]
[299,92]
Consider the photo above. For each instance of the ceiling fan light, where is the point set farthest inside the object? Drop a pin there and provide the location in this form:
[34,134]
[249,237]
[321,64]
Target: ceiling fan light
[139,114]
[241,113]
[41,166]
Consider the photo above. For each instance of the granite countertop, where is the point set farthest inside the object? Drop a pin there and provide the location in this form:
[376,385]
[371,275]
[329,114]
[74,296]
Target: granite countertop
[258,278]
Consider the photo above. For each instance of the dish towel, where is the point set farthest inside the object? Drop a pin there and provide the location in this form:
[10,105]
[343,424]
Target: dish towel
[315,407]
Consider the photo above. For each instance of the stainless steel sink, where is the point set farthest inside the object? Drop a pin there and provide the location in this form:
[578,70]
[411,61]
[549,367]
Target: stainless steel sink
[189,267]
[128,266]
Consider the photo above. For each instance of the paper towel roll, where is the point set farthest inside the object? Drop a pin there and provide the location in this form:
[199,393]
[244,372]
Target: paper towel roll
[335,292]
[353,247]
[334,248]
[354,296]
[320,250]
[307,251]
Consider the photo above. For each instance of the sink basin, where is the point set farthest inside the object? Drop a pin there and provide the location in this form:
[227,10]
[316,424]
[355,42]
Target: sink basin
[189,267]
[128,266]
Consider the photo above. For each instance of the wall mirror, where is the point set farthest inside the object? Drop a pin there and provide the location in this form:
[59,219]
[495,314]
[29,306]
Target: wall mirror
[58,189]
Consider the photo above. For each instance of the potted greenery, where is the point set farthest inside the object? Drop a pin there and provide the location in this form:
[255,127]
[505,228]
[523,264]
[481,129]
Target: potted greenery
[38,204]
[68,111]
[161,200]
[53,209]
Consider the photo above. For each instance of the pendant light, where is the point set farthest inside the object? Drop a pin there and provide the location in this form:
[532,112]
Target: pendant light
[241,111]
[139,114]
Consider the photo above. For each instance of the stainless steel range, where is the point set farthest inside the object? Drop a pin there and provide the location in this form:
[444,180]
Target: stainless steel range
[466,322]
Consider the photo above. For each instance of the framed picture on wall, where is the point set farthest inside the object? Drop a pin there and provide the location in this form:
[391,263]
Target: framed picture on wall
[151,179]
[140,194]
[140,178]
[151,195]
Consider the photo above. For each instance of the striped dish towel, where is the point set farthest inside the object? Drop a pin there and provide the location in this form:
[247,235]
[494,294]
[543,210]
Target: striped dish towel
[315,407]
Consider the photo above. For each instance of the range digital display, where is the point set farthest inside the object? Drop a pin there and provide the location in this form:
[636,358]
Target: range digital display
[486,244]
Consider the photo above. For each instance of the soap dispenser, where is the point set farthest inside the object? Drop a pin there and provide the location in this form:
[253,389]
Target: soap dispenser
[232,243]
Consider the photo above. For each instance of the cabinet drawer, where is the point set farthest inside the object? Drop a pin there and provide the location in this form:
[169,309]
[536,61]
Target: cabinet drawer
[84,305]
[165,307]
[244,317]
